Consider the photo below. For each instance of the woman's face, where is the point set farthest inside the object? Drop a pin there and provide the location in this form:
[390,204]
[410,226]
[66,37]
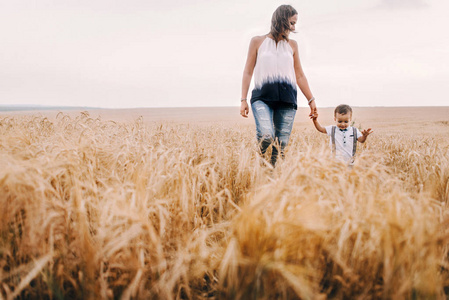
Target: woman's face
[292,21]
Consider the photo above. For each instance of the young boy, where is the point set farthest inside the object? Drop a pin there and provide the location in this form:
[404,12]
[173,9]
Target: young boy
[343,138]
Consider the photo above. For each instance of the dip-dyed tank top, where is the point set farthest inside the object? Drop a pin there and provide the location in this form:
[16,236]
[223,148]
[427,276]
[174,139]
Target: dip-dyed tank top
[274,74]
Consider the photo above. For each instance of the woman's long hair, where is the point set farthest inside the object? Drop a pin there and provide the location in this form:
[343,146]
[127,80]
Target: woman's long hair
[279,22]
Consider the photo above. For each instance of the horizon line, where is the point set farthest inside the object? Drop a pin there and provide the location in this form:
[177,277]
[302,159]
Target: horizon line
[28,107]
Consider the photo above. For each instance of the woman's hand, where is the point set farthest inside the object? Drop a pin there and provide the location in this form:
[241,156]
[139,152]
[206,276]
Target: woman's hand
[313,110]
[244,109]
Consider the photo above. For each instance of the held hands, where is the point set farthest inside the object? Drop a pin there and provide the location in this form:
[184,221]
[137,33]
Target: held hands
[314,116]
[244,109]
[313,111]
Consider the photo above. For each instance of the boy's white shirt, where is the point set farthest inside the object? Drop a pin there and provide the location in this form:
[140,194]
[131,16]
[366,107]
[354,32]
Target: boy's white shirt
[343,151]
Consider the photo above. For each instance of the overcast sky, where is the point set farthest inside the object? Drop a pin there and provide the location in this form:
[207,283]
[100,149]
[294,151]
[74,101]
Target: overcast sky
[152,53]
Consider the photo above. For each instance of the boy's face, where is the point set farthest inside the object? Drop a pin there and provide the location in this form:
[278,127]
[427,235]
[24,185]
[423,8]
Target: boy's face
[343,121]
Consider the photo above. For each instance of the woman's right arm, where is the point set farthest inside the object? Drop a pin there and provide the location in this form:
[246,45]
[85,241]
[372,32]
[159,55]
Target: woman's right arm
[248,74]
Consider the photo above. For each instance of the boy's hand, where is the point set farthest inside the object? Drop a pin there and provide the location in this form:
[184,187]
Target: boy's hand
[367,132]
[313,109]
[314,117]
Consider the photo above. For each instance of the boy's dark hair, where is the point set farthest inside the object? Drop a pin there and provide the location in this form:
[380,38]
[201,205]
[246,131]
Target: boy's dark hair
[342,109]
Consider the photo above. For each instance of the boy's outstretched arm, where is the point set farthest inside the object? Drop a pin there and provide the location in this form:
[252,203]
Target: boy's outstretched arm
[365,134]
[318,126]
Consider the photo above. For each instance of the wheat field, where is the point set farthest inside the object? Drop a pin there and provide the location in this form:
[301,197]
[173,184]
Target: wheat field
[98,208]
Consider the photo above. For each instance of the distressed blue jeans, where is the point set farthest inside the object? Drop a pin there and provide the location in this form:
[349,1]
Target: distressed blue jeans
[273,126]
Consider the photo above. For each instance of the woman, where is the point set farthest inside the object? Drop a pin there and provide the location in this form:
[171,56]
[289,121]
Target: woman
[274,60]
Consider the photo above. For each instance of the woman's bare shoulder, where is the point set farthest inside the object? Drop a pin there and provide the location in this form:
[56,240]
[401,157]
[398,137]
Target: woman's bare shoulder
[294,46]
[259,37]
[257,40]
[293,43]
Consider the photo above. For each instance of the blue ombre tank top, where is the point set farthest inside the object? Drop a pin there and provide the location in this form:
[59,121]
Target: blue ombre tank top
[274,74]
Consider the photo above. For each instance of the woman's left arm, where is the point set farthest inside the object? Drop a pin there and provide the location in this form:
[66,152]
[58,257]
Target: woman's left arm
[301,79]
